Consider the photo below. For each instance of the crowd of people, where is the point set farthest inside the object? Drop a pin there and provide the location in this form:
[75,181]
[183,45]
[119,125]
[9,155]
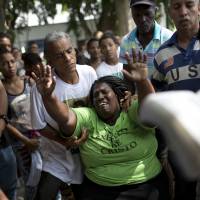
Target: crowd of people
[69,122]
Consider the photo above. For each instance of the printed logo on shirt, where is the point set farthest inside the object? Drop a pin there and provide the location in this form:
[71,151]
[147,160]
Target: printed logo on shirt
[183,73]
[115,142]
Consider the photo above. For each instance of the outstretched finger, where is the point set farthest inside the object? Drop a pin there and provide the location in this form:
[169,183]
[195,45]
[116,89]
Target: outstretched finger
[50,75]
[128,59]
[37,71]
[48,71]
[34,76]
[134,56]
[140,57]
[42,70]
[145,58]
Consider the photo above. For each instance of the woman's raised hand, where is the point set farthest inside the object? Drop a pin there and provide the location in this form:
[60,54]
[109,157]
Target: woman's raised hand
[137,67]
[44,80]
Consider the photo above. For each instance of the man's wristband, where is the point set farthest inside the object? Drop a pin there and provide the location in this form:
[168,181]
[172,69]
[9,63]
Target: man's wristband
[5,118]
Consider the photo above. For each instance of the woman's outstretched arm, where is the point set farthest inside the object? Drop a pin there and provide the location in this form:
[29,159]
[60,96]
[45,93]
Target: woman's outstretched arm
[59,111]
[137,73]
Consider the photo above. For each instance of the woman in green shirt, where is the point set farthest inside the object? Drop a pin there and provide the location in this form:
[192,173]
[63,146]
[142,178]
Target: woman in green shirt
[119,156]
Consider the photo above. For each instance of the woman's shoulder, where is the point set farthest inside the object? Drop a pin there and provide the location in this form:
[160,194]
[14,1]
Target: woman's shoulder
[84,111]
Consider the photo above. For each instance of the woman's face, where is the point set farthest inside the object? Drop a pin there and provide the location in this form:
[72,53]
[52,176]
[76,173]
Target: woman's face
[105,102]
[94,50]
[108,49]
[8,65]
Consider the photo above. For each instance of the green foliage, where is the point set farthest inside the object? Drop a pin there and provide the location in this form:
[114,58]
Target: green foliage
[169,21]
[12,9]
[79,11]
[15,8]
[103,12]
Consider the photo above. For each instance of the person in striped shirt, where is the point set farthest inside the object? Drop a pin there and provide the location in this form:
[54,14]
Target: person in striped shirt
[177,67]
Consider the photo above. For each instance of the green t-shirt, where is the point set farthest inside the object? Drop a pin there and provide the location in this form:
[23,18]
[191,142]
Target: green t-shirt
[124,153]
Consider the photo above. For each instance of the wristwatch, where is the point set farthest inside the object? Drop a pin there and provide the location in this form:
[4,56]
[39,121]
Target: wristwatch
[5,118]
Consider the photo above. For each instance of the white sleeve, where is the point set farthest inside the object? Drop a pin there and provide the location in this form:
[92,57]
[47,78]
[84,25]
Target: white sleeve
[37,110]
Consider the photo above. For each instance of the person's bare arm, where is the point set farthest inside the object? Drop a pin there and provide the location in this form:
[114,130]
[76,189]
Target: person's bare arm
[144,88]
[3,106]
[52,134]
[59,111]
[70,142]
[31,144]
[137,73]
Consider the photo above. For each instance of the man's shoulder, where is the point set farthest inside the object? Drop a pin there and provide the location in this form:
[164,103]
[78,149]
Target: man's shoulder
[166,33]
[86,71]
[164,46]
[166,52]
[163,52]
[83,67]
[168,43]
[129,36]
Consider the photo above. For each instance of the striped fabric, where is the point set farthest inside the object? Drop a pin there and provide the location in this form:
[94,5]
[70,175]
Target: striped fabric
[177,68]
[130,41]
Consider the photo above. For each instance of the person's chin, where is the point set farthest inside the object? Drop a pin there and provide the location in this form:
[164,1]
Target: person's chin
[145,30]
[12,73]
[71,66]
[103,111]
[185,28]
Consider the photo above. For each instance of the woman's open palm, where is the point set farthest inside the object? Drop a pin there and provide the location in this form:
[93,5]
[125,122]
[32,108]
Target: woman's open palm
[44,80]
[137,67]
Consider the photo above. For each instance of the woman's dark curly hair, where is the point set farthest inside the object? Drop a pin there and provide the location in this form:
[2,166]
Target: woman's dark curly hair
[118,85]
